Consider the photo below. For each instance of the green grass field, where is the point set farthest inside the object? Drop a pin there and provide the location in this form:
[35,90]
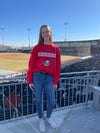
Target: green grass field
[14,65]
[19,62]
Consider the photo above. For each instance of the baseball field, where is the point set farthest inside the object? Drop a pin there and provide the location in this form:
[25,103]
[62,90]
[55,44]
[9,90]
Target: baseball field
[19,61]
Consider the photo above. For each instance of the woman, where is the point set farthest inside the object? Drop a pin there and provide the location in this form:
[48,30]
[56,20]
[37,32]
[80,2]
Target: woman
[44,73]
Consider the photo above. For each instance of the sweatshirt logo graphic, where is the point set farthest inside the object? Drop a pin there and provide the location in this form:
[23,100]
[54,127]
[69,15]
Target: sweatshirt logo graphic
[45,54]
[46,63]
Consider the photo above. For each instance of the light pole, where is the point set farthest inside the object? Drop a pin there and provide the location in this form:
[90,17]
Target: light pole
[2,29]
[65,30]
[28,29]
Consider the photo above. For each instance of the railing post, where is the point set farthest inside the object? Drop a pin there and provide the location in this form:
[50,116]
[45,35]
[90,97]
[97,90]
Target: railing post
[3,102]
[16,100]
[10,100]
[88,74]
[96,98]
[43,103]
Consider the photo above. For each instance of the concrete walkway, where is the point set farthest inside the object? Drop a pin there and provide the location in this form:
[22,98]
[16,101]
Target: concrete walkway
[76,120]
[9,74]
[82,121]
[4,72]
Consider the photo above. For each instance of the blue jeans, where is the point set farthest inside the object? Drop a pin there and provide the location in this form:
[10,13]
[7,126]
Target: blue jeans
[45,82]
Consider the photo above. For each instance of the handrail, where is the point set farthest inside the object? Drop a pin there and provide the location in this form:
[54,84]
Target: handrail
[18,101]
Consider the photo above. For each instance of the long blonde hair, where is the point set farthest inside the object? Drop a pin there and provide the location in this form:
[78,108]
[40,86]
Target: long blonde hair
[41,40]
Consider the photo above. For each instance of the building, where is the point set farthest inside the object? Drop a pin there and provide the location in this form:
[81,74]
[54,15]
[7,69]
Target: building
[79,48]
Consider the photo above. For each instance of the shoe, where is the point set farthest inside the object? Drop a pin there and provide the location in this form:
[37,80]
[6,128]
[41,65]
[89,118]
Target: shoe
[51,123]
[41,126]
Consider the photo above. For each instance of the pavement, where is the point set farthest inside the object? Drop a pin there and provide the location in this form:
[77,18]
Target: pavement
[72,120]
[8,74]
[4,72]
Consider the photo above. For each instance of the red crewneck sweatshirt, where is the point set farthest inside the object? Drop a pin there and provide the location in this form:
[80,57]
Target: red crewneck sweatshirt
[45,58]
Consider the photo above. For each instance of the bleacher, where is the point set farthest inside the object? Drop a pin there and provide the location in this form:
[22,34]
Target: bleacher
[88,64]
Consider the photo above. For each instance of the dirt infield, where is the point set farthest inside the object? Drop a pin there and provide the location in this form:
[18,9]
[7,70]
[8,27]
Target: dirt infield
[18,56]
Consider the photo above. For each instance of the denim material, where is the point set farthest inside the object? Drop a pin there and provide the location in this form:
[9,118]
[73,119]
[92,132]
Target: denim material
[45,82]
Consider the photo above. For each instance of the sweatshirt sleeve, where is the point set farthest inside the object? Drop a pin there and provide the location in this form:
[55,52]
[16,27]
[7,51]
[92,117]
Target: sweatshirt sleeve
[58,67]
[31,65]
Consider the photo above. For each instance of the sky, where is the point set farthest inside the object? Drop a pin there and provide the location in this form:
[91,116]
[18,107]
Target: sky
[82,16]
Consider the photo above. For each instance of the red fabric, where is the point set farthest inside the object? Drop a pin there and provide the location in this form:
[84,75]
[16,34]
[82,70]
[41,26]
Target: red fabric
[45,58]
[12,96]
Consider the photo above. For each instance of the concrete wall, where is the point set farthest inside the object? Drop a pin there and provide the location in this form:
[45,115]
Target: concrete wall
[79,48]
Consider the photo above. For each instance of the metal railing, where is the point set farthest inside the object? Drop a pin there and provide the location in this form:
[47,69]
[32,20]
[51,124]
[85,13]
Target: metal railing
[17,101]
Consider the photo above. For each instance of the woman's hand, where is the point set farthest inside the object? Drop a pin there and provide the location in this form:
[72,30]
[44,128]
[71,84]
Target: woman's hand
[55,87]
[31,86]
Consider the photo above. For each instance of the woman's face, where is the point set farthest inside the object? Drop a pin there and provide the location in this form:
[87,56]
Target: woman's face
[45,34]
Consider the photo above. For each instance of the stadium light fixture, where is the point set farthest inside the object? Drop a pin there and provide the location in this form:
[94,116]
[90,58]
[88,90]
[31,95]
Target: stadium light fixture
[28,29]
[2,29]
[65,30]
